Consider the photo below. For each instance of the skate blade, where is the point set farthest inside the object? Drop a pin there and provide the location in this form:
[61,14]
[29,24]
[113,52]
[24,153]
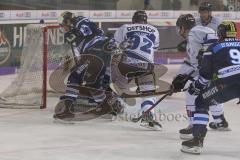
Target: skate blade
[222,129]
[186,136]
[155,128]
[108,117]
[194,150]
[122,117]
[63,121]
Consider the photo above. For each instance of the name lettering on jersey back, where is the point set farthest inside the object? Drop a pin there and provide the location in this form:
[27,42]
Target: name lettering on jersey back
[210,92]
[142,28]
[224,45]
[230,44]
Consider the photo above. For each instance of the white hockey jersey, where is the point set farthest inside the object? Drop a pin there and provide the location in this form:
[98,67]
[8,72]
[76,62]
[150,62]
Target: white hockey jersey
[198,37]
[214,23]
[145,39]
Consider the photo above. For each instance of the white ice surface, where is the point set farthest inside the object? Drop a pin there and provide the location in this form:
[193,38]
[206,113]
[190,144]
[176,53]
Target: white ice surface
[31,135]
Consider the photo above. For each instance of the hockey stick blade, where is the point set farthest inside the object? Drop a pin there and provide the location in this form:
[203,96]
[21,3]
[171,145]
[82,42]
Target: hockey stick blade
[153,106]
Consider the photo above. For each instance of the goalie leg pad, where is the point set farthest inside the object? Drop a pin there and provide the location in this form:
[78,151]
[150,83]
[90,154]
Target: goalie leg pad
[64,109]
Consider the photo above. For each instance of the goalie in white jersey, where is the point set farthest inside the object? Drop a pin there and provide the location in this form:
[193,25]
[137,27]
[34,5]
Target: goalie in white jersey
[144,39]
[197,37]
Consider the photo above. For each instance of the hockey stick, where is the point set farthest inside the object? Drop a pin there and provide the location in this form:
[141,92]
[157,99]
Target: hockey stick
[122,94]
[169,92]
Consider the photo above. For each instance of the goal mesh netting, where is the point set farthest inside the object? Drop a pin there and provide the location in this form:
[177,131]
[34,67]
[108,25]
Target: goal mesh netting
[43,51]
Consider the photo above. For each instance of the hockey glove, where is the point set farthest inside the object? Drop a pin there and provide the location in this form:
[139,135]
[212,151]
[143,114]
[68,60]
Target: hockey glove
[179,82]
[195,88]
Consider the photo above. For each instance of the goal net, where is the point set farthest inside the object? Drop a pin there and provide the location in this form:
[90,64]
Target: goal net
[43,51]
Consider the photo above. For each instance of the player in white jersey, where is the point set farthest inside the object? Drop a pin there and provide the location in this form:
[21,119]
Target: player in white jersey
[145,39]
[206,18]
[197,38]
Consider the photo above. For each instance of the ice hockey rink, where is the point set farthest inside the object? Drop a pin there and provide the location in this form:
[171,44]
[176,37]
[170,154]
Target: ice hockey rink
[27,134]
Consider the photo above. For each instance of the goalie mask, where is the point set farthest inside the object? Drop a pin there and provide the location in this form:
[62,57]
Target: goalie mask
[227,29]
[65,21]
[139,17]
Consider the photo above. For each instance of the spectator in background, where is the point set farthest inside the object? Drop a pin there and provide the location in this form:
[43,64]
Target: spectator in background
[166,5]
[206,18]
[193,4]
[146,4]
[41,21]
[176,4]
[219,5]
[171,5]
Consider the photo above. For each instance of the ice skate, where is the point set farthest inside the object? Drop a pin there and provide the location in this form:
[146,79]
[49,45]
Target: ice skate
[193,146]
[148,122]
[64,110]
[186,133]
[222,126]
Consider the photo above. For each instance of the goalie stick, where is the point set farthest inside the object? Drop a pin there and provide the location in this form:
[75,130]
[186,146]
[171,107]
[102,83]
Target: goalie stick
[166,48]
[122,94]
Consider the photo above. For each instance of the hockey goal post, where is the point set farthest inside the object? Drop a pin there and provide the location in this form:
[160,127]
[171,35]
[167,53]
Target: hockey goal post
[43,51]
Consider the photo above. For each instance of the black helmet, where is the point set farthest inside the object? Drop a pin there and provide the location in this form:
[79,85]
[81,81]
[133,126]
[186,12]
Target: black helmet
[227,29]
[139,17]
[205,6]
[65,18]
[186,20]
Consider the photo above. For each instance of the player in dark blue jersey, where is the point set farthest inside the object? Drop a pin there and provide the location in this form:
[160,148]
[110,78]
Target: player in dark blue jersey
[87,39]
[221,65]
[79,31]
